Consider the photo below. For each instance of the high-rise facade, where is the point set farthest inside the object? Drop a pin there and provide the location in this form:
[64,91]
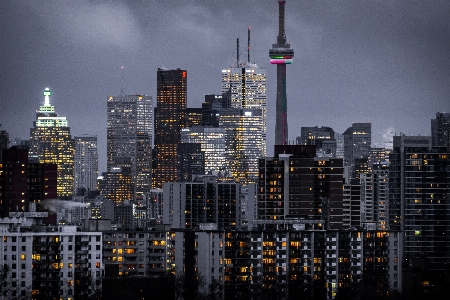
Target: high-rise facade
[170,118]
[358,139]
[381,195]
[117,185]
[51,143]
[212,143]
[315,135]
[129,138]
[49,262]
[322,137]
[86,163]
[4,141]
[440,130]
[419,179]
[191,160]
[281,54]
[247,85]
[357,142]
[294,184]
[243,141]
[24,184]
[205,200]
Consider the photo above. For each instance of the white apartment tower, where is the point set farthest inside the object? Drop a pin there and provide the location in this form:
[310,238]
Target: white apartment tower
[55,262]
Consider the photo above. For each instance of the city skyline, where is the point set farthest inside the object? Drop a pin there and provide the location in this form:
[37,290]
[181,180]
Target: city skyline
[355,62]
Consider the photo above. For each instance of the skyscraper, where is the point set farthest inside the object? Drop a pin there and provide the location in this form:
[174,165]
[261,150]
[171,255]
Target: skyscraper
[212,141]
[129,139]
[243,115]
[247,84]
[4,141]
[231,138]
[243,141]
[204,200]
[117,185]
[294,184]
[86,163]
[440,130]
[170,118]
[50,142]
[281,54]
[24,184]
[419,177]
[357,141]
[322,137]
[191,160]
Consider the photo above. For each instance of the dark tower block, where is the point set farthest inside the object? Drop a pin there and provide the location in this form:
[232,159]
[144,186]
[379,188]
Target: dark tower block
[170,118]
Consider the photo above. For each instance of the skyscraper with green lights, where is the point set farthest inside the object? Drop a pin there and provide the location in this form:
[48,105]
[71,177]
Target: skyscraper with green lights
[51,142]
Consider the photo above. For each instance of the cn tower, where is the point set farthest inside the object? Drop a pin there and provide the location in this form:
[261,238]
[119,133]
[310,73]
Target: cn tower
[280,55]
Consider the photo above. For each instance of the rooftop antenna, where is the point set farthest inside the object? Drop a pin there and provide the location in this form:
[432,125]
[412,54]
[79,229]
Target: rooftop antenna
[237,52]
[122,82]
[248,47]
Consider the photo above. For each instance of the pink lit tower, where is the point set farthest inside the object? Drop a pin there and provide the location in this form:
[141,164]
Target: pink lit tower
[280,55]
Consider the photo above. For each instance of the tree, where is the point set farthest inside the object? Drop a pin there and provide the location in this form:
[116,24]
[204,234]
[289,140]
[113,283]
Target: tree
[7,285]
[194,292]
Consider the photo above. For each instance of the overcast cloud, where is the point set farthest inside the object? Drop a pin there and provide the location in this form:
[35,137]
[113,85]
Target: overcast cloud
[384,62]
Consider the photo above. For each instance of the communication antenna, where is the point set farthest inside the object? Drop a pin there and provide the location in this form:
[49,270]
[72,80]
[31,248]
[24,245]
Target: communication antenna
[248,47]
[237,52]
[122,83]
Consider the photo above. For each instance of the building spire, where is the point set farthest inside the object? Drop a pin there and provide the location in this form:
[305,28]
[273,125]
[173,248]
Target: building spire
[47,93]
[281,39]
[248,47]
[121,92]
[237,52]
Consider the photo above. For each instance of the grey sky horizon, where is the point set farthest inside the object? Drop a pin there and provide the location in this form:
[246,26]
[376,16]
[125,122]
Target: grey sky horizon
[383,62]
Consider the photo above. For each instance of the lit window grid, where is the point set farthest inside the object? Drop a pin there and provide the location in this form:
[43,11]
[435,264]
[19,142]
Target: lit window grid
[212,142]
[54,145]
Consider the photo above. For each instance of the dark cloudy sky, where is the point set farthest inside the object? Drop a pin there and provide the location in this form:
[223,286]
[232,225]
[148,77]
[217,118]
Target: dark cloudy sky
[381,61]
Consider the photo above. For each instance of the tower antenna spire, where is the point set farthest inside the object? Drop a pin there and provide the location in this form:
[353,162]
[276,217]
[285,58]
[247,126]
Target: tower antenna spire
[122,93]
[248,47]
[281,54]
[237,52]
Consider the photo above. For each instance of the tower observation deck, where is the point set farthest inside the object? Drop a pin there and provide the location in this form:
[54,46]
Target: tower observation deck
[281,54]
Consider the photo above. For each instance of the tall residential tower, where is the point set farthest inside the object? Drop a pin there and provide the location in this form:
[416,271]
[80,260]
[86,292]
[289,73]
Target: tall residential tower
[281,54]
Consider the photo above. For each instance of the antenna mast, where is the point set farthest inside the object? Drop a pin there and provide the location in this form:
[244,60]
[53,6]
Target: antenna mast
[122,83]
[248,47]
[237,52]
